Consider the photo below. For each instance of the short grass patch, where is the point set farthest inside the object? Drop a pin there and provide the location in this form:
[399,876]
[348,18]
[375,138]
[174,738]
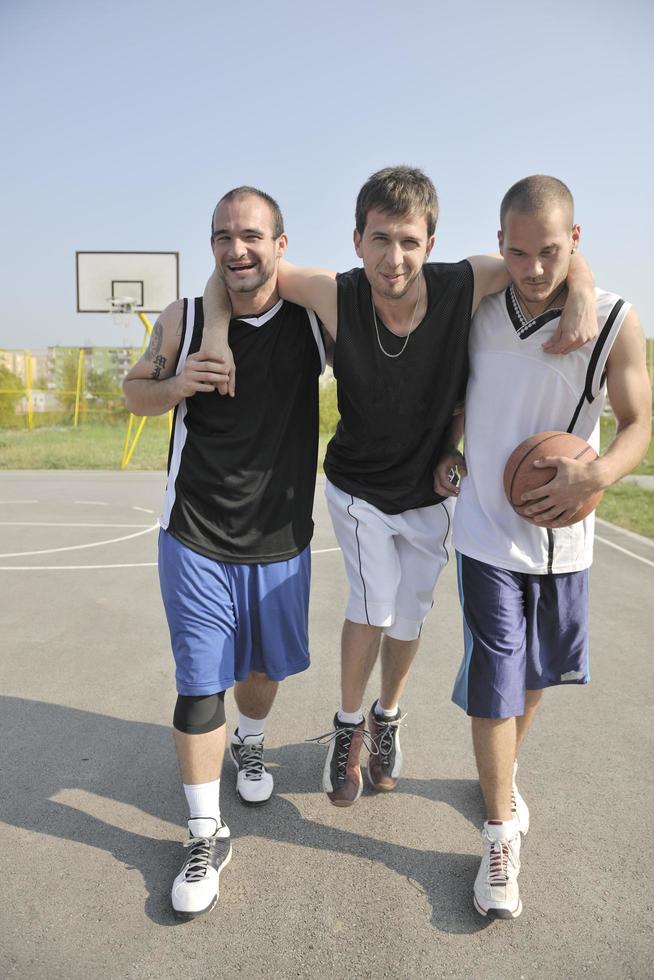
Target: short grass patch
[88,447]
[629,506]
[607,431]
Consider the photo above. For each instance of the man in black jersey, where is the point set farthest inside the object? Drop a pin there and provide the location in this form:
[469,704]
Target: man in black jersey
[400,327]
[234,555]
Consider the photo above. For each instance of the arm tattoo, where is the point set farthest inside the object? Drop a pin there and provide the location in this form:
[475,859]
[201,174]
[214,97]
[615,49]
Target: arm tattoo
[155,342]
[159,365]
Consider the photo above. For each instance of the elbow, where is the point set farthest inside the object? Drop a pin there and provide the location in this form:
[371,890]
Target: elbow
[130,401]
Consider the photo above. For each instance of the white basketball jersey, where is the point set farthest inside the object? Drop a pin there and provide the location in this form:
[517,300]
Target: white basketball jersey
[514,391]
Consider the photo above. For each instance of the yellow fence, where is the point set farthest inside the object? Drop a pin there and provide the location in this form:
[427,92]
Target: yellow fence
[63,385]
[70,386]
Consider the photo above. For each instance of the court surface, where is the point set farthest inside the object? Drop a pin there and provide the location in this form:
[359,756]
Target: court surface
[92,813]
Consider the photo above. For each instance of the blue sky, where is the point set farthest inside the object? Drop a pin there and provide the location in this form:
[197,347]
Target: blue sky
[123,124]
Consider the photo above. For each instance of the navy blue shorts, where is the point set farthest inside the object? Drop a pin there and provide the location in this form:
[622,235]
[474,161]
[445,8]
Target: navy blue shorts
[522,633]
[226,620]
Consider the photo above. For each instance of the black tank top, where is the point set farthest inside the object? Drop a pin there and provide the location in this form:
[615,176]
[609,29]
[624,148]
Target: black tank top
[394,411]
[242,471]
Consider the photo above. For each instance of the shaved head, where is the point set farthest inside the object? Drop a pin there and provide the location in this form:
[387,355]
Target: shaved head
[245,191]
[537,195]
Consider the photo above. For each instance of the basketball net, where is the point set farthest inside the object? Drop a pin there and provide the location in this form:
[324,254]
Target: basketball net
[122,308]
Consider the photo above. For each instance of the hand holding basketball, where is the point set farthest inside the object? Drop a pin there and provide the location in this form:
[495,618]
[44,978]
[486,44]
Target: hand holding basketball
[561,490]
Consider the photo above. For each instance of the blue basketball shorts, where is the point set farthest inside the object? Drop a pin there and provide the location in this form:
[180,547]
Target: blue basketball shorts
[521,633]
[226,620]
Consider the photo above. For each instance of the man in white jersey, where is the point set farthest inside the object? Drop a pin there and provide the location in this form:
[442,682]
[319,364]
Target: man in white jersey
[400,327]
[524,583]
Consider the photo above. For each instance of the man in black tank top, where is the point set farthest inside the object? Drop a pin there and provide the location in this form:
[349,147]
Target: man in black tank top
[234,555]
[400,329]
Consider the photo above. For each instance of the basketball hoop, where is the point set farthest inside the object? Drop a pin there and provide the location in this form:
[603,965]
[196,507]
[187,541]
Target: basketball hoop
[121,309]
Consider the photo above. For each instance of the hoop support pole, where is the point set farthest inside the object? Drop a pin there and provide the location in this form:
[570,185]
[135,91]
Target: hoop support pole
[146,323]
[128,449]
[80,366]
[127,455]
[123,464]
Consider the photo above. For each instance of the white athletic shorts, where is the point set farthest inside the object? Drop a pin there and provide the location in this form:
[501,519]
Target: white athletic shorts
[392,560]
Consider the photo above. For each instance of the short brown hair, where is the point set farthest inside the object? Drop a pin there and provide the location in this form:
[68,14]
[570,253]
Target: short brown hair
[398,191]
[531,195]
[246,191]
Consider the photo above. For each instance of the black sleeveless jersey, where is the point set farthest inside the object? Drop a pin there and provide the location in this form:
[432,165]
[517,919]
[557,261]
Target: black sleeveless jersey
[242,470]
[394,411]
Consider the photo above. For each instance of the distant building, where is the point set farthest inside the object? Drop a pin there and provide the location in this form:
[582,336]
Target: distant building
[40,370]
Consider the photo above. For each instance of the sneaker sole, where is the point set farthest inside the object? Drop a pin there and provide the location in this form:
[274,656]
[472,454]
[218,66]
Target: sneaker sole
[346,802]
[187,916]
[378,787]
[253,802]
[241,798]
[497,913]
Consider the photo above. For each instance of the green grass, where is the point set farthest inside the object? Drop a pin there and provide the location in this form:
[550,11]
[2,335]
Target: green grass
[607,431]
[89,447]
[98,446]
[629,506]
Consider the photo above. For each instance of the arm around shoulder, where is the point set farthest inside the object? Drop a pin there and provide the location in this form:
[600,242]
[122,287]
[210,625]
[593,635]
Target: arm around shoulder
[490,276]
[578,323]
[313,288]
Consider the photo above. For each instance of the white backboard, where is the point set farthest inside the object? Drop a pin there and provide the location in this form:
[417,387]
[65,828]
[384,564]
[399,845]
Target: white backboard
[150,279]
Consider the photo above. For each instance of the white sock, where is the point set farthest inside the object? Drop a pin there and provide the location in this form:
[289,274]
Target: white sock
[204,807]
[350,717]
[252,728]
[385,712]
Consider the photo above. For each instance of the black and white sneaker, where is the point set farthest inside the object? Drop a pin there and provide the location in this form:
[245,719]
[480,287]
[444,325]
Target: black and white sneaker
[341,776]
[254,784]
[195,889]
[385,761]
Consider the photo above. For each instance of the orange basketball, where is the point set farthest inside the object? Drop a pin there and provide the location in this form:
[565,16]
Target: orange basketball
[521,475]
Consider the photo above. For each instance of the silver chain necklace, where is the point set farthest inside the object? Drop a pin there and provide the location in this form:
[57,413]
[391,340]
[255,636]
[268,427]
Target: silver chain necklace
[406,339]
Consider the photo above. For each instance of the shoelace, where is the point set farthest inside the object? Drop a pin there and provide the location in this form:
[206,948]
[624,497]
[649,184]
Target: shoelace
[250,760]
[198,859]
[343,737]
[386,735]
[498,871]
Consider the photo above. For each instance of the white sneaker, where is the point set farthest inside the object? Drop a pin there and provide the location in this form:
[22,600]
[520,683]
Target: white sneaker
[496,885]
[519,809]
[254,784]
[195,889]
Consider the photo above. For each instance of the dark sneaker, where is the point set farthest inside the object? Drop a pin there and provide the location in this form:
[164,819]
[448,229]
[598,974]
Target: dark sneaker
[385,759]
[341,778]
[254,784]
[195,889]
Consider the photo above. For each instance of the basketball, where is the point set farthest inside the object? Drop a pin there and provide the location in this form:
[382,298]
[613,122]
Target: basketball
[521,475]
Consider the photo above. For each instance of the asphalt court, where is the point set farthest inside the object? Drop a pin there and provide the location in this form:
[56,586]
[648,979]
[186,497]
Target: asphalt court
[91,812]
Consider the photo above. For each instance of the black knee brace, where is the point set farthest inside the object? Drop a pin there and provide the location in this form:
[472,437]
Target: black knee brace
[199,715]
